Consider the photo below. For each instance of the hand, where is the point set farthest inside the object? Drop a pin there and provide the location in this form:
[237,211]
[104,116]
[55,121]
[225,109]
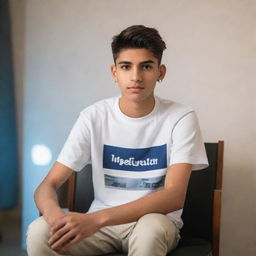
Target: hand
[72,228]
[54,216]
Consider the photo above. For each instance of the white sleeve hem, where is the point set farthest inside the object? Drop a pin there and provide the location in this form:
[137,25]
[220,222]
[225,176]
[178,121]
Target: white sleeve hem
[69,165]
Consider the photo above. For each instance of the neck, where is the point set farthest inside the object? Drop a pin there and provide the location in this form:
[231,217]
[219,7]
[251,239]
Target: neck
[136,109]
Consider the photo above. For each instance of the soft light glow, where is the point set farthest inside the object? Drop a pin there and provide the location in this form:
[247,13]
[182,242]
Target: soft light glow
[41,155]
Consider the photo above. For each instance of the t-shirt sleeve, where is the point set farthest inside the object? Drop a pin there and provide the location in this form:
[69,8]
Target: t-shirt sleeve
[187,143]
[76,152]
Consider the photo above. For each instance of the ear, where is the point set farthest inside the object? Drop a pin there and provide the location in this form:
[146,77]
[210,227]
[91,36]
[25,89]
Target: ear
[162,72]
[113,72]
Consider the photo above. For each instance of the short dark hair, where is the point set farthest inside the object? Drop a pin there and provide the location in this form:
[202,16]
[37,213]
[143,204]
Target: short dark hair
[138,36]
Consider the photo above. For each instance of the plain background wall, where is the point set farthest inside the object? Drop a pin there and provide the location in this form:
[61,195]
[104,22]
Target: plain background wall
[62,59]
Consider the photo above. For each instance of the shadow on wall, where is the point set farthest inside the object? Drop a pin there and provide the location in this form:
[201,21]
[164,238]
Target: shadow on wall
[8,137]
[12,20]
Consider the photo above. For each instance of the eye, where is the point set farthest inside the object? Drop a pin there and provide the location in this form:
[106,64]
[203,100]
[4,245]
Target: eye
[125,67]
[147,67]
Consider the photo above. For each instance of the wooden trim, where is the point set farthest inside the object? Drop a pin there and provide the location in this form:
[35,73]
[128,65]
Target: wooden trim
[219,164]
[216,221]
[217,200]
[71,191]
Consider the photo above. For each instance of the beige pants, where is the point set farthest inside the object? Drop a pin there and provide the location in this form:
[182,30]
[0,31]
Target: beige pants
[152,235]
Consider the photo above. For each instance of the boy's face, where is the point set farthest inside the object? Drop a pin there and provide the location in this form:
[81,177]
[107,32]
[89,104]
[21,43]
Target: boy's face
[136,71]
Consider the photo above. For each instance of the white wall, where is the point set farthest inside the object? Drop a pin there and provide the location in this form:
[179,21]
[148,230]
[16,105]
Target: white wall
[211,64]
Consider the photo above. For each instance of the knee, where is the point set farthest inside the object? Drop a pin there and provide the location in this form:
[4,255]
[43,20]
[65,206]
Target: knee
[38,228]
[37,233]
[154,234]
[153,226]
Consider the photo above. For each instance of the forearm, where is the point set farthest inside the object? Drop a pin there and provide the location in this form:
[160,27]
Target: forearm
[47,202]
[163,201]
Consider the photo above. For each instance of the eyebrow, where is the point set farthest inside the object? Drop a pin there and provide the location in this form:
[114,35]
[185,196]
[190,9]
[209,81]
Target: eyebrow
[143,62]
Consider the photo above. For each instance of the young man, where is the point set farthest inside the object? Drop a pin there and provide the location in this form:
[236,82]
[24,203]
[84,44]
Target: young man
[142,149]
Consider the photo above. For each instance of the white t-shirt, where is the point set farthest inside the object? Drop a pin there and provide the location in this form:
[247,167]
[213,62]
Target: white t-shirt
[130,156]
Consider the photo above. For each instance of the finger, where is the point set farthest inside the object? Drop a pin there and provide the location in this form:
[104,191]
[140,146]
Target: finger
[71,242]
[62,241]
[58,225]
[55,236]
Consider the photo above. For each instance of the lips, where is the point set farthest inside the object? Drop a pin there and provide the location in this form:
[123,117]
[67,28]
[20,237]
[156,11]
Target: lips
[135,88]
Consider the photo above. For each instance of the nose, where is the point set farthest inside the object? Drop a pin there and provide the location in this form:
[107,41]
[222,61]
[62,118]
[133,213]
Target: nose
[136,75]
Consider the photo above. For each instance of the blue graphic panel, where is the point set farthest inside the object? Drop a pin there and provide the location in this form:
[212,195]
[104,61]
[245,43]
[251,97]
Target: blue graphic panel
[134,184]
[134,159]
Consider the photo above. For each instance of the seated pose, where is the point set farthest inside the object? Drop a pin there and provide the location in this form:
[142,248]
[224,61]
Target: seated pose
[142,149]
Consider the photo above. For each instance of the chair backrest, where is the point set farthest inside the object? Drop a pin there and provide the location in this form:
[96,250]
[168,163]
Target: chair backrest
[202,206]
[83,193]
[201,212]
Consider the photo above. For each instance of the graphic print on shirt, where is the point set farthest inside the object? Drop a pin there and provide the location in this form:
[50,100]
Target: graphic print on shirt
[134,184]
[134,160]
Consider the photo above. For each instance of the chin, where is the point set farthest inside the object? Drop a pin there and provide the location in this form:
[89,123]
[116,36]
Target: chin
[138,98]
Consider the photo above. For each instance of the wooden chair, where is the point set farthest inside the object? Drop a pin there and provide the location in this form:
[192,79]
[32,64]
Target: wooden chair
[200,234]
